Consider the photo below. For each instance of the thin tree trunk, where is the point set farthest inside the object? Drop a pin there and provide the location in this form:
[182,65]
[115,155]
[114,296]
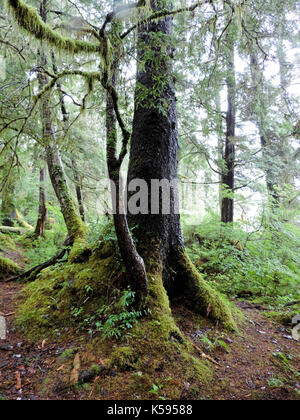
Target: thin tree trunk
[78,182]
[78,187]
[260,114]
[75,227]
[43,212]
[134,264]
[228,178]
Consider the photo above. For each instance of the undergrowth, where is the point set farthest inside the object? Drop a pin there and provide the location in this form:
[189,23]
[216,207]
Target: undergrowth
[263,266]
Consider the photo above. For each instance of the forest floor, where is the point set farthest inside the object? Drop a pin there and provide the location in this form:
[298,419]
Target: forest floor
[261,363]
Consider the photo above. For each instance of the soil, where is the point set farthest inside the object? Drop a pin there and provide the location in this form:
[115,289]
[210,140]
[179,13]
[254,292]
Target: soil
[249,367]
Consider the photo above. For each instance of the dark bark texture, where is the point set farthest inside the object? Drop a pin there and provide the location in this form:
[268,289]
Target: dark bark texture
[228,178]
[134,264]
[154,145]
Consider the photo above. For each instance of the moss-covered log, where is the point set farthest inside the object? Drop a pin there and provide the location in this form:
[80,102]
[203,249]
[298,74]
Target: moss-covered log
[8,268]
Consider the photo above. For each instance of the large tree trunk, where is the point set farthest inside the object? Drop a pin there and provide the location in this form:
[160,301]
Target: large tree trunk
[228,178]
[153,156]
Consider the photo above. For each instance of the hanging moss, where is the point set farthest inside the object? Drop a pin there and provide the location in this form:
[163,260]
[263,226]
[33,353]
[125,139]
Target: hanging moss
[28,18]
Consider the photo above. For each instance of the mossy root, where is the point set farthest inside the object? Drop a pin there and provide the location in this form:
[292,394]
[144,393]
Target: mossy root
[201,297]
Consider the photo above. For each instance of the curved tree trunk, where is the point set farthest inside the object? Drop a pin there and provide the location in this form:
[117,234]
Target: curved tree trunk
[133,262]
[75,226]
[154,156]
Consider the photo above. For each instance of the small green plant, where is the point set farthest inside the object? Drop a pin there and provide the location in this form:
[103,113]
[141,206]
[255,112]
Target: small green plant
[112,320]
[275,383]
[156,391]
[262,266]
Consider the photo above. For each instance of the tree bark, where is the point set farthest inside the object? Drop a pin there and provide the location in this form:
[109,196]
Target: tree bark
[154,156]
[228,178]
[134,264]
[43,212]
[75,227]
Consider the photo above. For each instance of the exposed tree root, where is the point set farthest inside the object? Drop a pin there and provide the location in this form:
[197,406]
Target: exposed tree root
[199,296]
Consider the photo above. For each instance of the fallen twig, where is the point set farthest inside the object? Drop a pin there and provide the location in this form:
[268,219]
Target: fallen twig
[205,356]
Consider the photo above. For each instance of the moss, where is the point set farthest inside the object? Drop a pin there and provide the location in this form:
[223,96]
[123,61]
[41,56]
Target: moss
[201,297]
[47,303]
[156,344]
[28,18]
[68,354]
[8,268]
[7,243]
[284,318]
[123,358]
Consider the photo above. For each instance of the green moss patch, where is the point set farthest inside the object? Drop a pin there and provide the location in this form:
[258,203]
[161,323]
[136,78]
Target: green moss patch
[62,293]
[8,268]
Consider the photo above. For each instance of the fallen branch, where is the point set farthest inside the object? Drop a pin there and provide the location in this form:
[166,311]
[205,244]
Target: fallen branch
[292,304]
[7,315]
[16,230]
[205,356]
[31,274]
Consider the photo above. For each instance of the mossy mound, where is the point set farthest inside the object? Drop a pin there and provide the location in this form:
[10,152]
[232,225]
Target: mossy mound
[150,356]
[283,317]
[7,243]
[61,292]
[154,361]
[8,268]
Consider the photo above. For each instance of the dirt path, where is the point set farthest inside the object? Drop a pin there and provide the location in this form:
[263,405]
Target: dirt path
[23,365]
[262,363]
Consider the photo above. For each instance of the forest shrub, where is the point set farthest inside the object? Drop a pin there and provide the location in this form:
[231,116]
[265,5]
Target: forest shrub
[263,266]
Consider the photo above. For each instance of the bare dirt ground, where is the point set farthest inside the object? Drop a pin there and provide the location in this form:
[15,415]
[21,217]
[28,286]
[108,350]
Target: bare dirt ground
[261,363]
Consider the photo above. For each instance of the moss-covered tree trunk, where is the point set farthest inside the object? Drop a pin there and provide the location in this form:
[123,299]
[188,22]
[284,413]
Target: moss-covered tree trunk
[8,208]
[43,212]
[154,156]
[75,226]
